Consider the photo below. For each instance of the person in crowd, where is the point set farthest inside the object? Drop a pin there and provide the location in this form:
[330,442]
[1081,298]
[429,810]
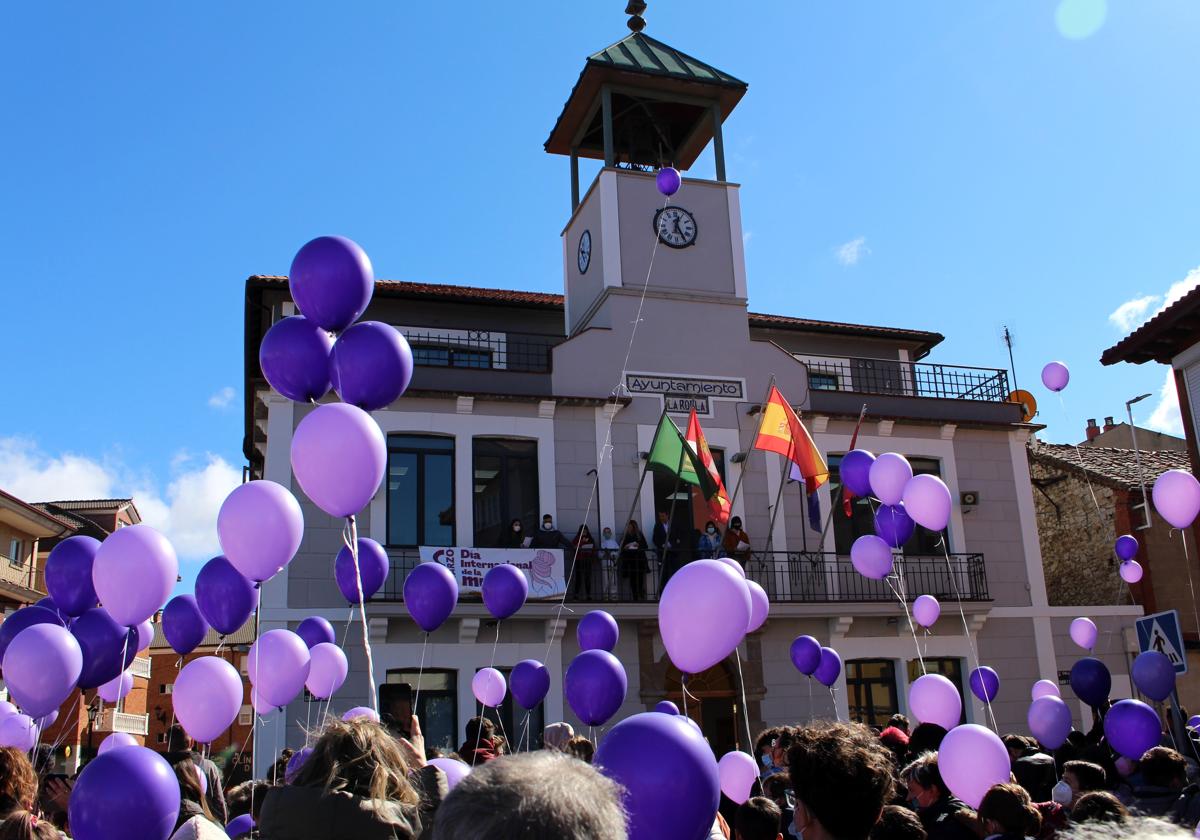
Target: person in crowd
[780,744]
[556,735]
[1007,813]
[896,740]
[26,825]
[479,746]
[762,749]
[1082,777]
[247,798]
[898,721]
[926,737]
[710,542]
[583,554]
[515,536]
[18,783]
[549,536]
[1033,768]
[736,542]
[277,775]
[610,549]
[778,788]
[581,748]
[841,780]
[944,816]
[180,745]
[632,560]
[898,823]
[196,820]
[660,536]
[757,819]
[1135,828]
[539,795]
[1098,806]
[1164,774]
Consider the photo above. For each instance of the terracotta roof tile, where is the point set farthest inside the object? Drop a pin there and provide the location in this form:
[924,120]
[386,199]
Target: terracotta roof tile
[1112,467]
[1163,337]
[90,504]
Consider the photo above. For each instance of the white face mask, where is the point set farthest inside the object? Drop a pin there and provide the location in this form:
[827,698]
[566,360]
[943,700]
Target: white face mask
[547,526]
[1062,793]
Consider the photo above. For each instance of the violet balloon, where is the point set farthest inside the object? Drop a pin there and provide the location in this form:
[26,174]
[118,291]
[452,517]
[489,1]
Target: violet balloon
[294,358]
[1131,728]
[1193,722]
[41,668]
[46,721]
[927,500]
[489,687]
[373,568]
[504,590]
[69,574]
[1055,376]
[361,712]
[125,793]
[454,769]
[25,617]
[430,593]
[806,654]
[327,670]
[737,774]
[1049,721]
[296,764]
[855,471]
[260,526]
[934,699]
[134,572]
[829,668]
[115,689]
[971,759]
[18,731]
[595,686]
[242,824]
[666,707]
[145,634]
[1083,633]
[985,683]
[1177,497]
[315,630]
[734,565]
[1045,688]
[183,625]
[331,281]
[668,180]
[926,610]
[108,648]
[1091,681]
[893,525]
[278,665]
[1154,675]
[872,557]
[338,457]
[371,365]
[703,615]
[207,697]
[1126,547]
[889,474]
[1131,571]
[115,741]
[760,606]
[597,631]
[226,598]
[529,682]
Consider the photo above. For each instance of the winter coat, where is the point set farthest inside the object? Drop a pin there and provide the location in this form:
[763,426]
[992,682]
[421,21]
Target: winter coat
[947,819]
[311,813]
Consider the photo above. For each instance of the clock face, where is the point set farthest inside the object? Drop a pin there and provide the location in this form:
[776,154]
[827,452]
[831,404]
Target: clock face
[584,255]
[676,227]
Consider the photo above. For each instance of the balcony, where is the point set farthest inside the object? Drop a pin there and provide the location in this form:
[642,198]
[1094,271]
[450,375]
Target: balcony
[15,573]
[140,667]
[481,350]
[793,577]
[110,720]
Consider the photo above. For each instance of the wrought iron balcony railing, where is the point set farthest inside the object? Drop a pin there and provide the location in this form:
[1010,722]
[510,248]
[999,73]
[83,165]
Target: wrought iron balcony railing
[481,349]
[905,379]
[110,720]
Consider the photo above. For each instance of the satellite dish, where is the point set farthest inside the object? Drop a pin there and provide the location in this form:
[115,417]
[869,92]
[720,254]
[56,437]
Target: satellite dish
[1027,402]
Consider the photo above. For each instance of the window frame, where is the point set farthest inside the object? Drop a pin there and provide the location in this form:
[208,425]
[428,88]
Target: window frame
[400,675]
[507,513]
[925,465]
[864,683]
[421,455]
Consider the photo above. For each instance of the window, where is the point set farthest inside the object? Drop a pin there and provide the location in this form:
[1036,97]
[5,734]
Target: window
[822,381]
[437,704]
[506,487]
[161,737]
[166,688]
[420,494]
[862,518]
[16,552]
[871,690]
[246,716]
[949,668]
[245,666]
[429,355]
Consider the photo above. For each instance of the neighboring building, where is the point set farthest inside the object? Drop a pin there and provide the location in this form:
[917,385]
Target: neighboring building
[24,530]
[1122,436]
[511,414]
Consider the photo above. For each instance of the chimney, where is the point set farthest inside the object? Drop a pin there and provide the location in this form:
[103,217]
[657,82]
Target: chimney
[1092,429]
[1108,424]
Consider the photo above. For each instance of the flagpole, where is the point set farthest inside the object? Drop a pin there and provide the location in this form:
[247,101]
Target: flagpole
[783,479]
[662,575]
[637,497]
[742,472]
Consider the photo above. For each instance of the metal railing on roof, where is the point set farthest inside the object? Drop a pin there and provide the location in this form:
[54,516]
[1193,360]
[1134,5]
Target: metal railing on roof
[481,349]
[862,375]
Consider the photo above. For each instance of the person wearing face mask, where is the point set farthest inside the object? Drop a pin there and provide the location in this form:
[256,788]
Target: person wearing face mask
[514,537]
[944,816]
[632,560]
[841,780]
[609,549]
[583,552]
[549,536]
[710,541]
[736,542]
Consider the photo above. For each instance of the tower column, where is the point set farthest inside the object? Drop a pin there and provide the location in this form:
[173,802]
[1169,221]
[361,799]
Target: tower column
[607,109]
[718,141]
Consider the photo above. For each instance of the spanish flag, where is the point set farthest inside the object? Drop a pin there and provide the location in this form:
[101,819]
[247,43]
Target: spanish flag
[780,430]
[718,501]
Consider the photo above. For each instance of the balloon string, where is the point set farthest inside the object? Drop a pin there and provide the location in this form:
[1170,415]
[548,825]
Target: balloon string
[833,699]
[495,644]
[683,687]
[352,543]
[524,736]
[1187,565]
[1082,468]
[478,734]
[420,672]
[899,593]
[745,711]
[966,630]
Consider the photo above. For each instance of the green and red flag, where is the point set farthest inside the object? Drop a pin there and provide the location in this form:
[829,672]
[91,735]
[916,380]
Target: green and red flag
[718,502]
[671,455]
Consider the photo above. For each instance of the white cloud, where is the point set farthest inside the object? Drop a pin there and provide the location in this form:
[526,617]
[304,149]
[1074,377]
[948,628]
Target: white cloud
[186,512]
[849,253]
[222,398]
[1165,416]
[1132,312]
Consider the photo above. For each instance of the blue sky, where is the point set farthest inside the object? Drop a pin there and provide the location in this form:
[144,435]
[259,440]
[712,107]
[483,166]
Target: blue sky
[942,165]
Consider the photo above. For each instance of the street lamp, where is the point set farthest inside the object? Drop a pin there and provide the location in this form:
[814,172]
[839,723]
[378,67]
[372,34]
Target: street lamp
[93,711]
[1137,455]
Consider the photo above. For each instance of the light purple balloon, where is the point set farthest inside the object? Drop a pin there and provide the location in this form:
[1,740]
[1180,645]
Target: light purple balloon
[338,457]
[361,712]
[737,773]
[46,721]
[1045,688]
[7,709]
[489,687]
[18,731]
[927,500]
[454,769]
[889,474]
[971,759]
[1131,571]
[260,526]
[134,572]
[1055,376]
[934,699]
[871,556]
[278,665]
[41,667]
[703,615]
[926,610]
[1177,497]
[207,697]
[262,706]
[116,688]
[733,564]
[760,605]
[145,635]
[1083,633]
[117,740]
[1049,721]
[327,670]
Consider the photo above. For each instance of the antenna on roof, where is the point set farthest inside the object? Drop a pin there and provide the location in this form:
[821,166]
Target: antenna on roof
[635,9]
[1008,342]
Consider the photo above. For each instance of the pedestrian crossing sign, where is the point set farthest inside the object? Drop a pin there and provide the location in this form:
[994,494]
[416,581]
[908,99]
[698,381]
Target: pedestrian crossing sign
[1161,632]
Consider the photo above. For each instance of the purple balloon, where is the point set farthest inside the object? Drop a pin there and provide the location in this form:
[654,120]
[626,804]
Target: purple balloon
[1193,722]
[1131,728]
[108,648]
[829,668]
[489,687]
[1154,675]
[985,683]
[934,699]
[856,472]
[737,773]
[115,741]
[145,634]
[703,615]
[1131,571]
[927,500]
[294,357]
[134,572]
[1083,633]
[926,610]
[371,365]
[1045,688]
[373,568]
[1091,681]
[595,685]
[338,457]
[244,823]
[1126,547]
[278,665]
[454,769]
[889,475]
[327,670]
[871,556]
[504,590]
[69,574]
[666,707]
[893,525]
[19,731]
[41,668]
[597,631]
[529,682]
[314,630]
[115,689]
[183,624]
[7,709]
[1177,497]
[125,793]
[22,618]
[430,593]
[48,603]
[260,526]
[668,775]
[296,764]
[207,697]
[1055,376]
[331,281]
[971,759]
[361,712]
[760,606]
[668,180]
[226,598]
[806,654]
